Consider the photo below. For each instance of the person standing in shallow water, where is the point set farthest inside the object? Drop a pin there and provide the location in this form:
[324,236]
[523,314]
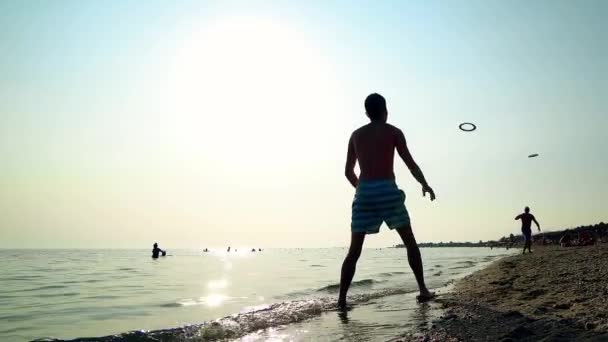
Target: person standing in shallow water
[377,197]
[526,228]
[156,251]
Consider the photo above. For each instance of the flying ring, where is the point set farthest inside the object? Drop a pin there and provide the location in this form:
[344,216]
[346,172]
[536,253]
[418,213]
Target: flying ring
[471,127]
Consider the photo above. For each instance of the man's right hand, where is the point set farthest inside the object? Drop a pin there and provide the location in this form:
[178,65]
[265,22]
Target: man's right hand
[428,189]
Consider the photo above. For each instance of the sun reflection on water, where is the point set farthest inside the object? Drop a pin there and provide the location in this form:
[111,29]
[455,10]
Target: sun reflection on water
[214,299]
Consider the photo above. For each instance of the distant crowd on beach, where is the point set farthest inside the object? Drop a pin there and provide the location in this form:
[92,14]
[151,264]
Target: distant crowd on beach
[572,237]
[581,238]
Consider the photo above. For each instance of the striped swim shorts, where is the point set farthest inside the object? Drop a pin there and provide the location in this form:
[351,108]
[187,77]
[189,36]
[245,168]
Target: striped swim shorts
[378,201]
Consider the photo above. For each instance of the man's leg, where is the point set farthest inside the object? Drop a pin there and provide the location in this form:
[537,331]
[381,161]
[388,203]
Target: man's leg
[349,266]
[415,260]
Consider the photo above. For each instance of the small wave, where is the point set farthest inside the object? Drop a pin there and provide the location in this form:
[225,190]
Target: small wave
[237,325]
[466,262]
[51,295]
[390,274]
[358,283]
[34,289]
[460,267]
[102,297]
[250,309]
[22,277]
[437,274]
[318,266]
[92,281]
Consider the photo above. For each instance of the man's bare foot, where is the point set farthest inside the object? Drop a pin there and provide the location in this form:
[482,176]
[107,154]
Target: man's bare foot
[425,296]
[342,304]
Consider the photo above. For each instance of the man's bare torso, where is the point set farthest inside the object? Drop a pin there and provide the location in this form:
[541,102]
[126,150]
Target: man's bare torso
[375,149]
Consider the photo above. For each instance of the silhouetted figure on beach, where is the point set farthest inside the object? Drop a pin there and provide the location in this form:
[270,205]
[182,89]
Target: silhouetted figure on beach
[157,251]
[377,197]
[228,250]
[526,228]
[585,238]
[566,240]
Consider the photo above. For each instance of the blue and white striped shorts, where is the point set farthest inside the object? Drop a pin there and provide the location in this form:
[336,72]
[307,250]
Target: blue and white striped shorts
[375,202]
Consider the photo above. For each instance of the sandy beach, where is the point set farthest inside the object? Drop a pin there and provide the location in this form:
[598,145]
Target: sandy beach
[553,294]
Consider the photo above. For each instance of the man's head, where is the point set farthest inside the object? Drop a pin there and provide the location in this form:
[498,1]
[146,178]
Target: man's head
[375,107]
[155,245]
[527,210]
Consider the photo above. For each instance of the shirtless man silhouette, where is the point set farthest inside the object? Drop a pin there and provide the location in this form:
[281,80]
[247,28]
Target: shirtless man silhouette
[377,197]
[526,224]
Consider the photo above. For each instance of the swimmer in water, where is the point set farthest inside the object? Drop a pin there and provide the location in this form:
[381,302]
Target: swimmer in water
[156,251]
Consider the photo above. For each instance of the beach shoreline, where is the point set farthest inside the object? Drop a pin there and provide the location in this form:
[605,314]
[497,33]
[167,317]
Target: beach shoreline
[553,294]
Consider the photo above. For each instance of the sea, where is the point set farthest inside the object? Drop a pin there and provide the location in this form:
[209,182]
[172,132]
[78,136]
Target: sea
[268,295]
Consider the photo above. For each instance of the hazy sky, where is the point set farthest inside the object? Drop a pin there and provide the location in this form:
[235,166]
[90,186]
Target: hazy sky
[202,124]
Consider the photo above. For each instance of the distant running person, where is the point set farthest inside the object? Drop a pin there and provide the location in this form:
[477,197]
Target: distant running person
[526,228]
[377,197]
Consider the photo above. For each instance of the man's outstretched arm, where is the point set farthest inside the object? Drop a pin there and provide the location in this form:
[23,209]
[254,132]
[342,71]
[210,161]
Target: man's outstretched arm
[407,158]
[536,222]
[351,159]
[517,217]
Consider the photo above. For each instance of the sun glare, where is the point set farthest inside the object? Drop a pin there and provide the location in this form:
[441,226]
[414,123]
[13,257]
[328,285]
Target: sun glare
[249,83]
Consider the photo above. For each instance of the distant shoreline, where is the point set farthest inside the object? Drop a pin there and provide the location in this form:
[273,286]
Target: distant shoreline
[599,231]
[444,245]
[488,244]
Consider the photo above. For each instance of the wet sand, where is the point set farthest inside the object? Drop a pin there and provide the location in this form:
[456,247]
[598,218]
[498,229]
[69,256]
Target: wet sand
[553,294]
